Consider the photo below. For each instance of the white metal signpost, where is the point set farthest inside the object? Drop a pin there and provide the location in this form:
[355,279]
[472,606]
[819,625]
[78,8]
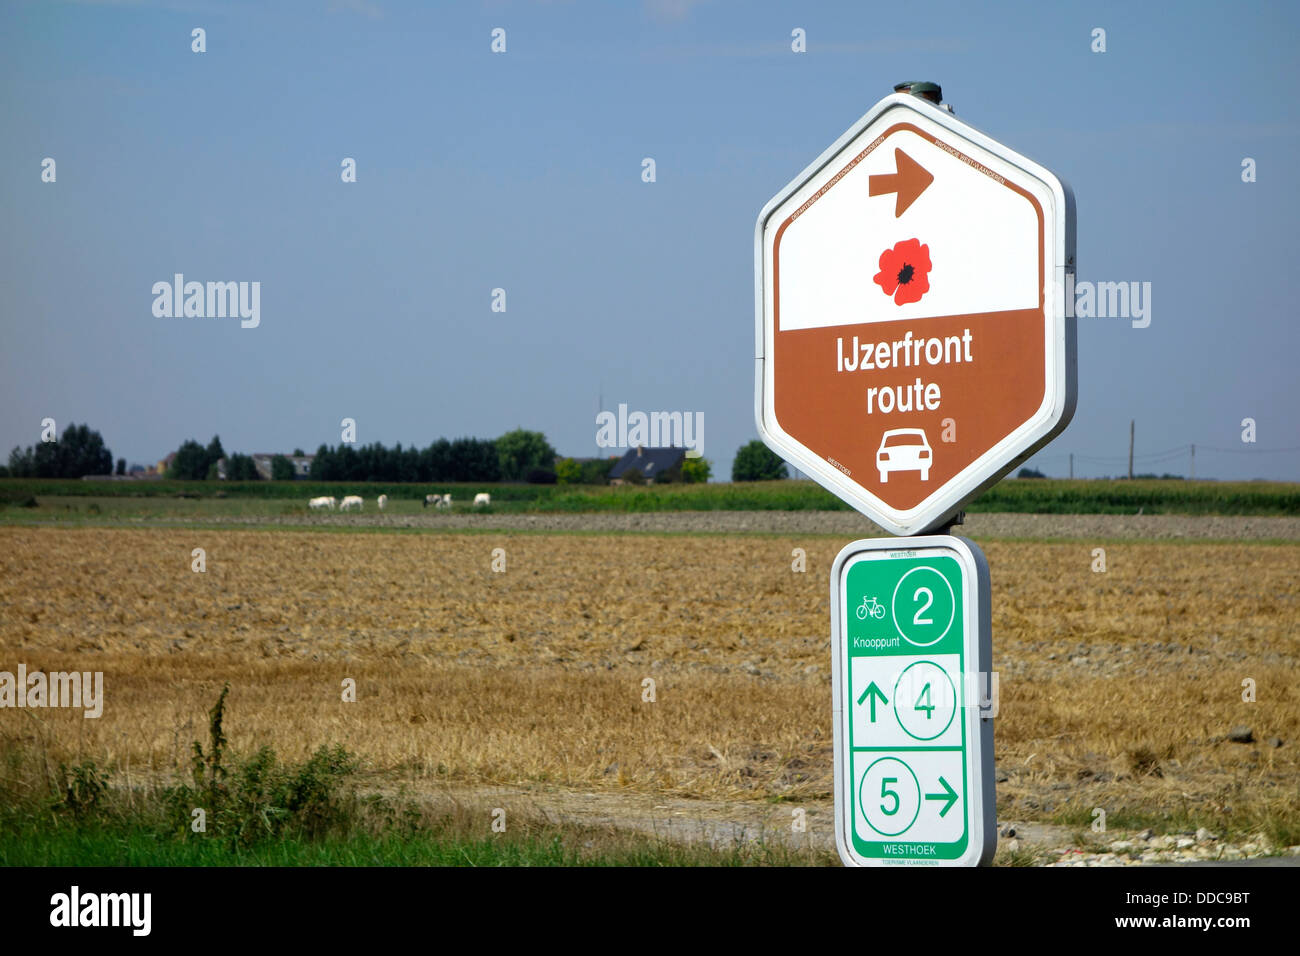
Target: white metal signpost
[912,347]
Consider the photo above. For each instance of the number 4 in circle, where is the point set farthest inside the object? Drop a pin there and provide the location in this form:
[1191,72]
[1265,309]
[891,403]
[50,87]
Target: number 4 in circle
[923,702]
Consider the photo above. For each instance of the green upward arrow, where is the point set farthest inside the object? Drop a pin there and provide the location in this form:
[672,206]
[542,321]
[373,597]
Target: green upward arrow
[873,692]
[949,795]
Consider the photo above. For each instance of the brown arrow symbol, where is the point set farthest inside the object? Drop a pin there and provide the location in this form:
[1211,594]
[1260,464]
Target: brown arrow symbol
[909,182]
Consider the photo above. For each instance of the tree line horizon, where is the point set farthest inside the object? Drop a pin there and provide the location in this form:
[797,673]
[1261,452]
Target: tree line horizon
[518,455]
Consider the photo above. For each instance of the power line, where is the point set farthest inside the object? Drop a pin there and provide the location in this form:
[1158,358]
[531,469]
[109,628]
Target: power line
[1158,456]
[1155,454]
[1251,451]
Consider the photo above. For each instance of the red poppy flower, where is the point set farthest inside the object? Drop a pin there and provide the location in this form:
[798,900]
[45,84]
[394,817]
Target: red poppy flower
[905,271]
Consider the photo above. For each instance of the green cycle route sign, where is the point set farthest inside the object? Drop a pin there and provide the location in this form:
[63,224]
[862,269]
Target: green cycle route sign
[913,703]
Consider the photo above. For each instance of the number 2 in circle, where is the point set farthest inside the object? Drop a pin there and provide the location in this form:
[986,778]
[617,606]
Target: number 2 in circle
[929,599]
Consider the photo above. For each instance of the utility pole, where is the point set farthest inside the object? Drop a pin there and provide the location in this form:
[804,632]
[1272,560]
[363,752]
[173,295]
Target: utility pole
[1071,466]
[1193,478]
[1131,426]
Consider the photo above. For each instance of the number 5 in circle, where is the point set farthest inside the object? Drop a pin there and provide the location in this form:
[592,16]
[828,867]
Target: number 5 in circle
[886,792]
[889,797]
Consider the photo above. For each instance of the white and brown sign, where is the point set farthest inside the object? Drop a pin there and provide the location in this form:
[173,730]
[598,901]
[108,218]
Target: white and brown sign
[913,343]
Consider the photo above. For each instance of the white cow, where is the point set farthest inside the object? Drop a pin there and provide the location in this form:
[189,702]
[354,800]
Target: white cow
[445,502]
[383,500]
[482,498]
[350,502]
[316,504]
[438,501]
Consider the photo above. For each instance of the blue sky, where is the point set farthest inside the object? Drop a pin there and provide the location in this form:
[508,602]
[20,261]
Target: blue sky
[522,171]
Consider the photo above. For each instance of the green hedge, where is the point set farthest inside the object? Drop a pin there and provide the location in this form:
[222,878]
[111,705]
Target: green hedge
[1039,496]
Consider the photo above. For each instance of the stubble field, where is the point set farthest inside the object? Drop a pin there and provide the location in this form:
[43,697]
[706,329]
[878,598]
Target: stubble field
[1118,688]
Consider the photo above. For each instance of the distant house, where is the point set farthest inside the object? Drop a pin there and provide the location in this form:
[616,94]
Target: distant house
[165,464]
[301,465]
[650,464]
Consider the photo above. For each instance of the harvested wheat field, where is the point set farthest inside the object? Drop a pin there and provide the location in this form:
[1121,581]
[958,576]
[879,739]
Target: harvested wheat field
[1118,689]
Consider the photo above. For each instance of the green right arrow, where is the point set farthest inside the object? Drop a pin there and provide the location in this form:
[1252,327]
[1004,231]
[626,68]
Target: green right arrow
[873,692]
[949,796]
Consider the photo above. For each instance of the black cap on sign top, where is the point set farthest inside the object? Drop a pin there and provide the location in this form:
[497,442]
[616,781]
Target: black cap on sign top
[930,91]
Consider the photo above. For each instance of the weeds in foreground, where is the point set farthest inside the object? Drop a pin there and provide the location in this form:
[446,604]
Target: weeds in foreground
[259,811]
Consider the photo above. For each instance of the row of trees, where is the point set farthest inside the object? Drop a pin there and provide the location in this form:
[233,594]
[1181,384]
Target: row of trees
[465,459]
[519,455]
[80,452]
[195,462]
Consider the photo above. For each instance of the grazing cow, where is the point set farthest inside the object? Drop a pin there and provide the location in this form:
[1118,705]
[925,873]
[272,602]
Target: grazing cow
[438,501]
[316,504]
[445,502]
[482,498]
[383,500]
[350,502]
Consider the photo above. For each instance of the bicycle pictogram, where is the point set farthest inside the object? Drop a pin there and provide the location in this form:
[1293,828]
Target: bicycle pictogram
[871,606]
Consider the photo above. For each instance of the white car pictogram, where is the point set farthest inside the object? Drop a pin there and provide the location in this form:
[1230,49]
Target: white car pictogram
[904,449]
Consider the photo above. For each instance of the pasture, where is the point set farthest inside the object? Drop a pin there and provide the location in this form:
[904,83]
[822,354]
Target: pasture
[288,498]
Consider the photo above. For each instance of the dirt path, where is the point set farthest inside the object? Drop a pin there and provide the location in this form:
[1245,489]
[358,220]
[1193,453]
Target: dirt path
[716,823]
[724,824]
[845,524]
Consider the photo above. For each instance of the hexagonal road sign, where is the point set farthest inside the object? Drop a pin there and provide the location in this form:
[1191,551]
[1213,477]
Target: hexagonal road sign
[912,343]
